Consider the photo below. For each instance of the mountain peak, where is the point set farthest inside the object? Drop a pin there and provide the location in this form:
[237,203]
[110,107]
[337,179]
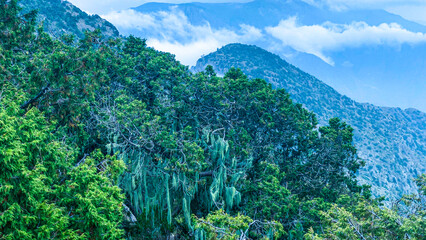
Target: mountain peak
[61,17]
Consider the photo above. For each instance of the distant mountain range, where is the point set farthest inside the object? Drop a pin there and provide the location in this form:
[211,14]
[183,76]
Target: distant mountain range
[61,17]
[391,141]
[261,13]
[358,56]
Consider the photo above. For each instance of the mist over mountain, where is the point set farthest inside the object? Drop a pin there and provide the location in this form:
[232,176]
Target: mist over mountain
[390,140]
[261,13]
[369,55]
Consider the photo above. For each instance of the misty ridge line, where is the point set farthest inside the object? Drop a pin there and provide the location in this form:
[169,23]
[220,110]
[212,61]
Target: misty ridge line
[412,10]
[173,32]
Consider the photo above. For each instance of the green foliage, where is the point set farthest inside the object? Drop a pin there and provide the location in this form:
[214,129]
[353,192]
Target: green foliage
[15,30]
[43,195]
[266,199]
[421,183]
[30,166]
[364,219]
[219,225]
[93,198]
[335,162]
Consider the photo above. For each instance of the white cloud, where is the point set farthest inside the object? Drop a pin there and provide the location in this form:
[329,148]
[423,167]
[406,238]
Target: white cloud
[172,32]
[319,39]
[189,53]
[130,19]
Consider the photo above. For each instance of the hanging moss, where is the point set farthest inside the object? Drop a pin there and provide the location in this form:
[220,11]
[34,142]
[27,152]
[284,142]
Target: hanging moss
[169,207]
[186,212]
[232,198]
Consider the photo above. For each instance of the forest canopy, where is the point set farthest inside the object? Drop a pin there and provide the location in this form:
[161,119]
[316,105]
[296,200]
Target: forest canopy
[106,138]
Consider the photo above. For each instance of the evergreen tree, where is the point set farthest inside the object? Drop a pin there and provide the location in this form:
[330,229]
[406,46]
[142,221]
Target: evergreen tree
[43,194]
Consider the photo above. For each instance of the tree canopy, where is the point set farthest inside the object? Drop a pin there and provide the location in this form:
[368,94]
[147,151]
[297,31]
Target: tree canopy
[110,139]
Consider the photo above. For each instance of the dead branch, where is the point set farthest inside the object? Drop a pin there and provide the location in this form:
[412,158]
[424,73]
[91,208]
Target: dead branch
[32,100]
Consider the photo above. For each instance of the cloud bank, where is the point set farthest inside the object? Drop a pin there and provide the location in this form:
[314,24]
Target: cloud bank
[320,39]
[171,31]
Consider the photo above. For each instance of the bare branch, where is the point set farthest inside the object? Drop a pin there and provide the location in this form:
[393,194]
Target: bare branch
[32,100]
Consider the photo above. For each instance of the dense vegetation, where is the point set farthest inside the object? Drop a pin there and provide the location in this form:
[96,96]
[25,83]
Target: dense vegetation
[391,140]
[109,139]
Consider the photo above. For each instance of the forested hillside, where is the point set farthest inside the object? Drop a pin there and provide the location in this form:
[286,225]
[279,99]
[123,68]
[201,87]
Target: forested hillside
[110,139]
[61,17]
[392,141]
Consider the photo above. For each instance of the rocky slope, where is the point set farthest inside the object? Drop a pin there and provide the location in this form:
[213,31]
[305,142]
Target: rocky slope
[391,140]
[61,17]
